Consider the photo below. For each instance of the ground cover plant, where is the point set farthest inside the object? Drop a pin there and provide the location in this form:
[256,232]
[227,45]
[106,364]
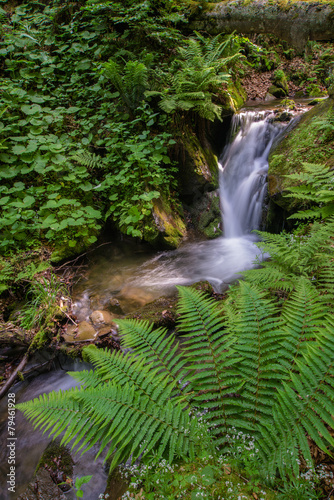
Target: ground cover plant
[256,366]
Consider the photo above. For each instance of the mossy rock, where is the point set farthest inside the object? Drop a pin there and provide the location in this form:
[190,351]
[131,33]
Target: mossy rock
[168,228]
[237,95]
[307,142]
[198,166]
[277,91]
[206,215]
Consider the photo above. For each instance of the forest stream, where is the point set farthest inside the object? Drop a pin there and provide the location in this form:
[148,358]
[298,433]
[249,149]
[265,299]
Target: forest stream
[136,278]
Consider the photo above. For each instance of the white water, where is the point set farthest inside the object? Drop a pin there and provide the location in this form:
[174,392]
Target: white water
[243,167]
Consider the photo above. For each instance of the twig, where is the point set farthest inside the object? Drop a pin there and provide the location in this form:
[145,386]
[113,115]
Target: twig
[13,376]
[81,255]
[329,496]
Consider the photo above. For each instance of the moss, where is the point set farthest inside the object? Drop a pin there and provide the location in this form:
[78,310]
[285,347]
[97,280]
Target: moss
[237,95]
[308,142]
[169,224]
[198,168]
[209,222]
[277,91]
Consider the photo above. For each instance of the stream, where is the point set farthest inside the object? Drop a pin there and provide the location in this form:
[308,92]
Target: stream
[138,278]
[135,276]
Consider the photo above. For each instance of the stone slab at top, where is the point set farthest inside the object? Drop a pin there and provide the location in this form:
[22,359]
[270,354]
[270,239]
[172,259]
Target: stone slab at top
[290,20]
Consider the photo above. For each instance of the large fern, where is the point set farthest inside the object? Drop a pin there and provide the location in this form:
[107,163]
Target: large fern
[248,366]
[314,185]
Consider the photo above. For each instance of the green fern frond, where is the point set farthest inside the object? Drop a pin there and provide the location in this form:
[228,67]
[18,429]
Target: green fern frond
[158,349]
[89,160]
[302,314]
[259,334]
[305,403]
[208,347]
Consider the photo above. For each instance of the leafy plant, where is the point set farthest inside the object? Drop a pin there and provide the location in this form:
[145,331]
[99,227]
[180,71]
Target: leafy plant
[199,74]
[253,369]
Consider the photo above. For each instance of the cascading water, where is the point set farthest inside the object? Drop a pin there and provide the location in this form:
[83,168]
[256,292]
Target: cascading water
[243,166]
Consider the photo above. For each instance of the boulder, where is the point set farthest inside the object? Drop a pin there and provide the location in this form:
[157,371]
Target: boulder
[295,22]
[42,487]
[84,331]
[101,318]
[307,140]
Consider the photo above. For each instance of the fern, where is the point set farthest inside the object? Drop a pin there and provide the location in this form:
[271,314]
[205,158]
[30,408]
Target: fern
[251,366]
[130,81]
[315,184]
[89,160]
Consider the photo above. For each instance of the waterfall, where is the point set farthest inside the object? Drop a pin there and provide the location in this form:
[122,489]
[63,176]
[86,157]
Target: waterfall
[244,167]
[243,172]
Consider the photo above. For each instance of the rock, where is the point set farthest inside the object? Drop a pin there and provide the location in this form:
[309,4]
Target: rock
[198,170]
[269,97]
[295,22]
[99,318]
[132,297]
[84,331]
[205,215]
[303,141]
[277,91]
[315,101]
[283,116]
[169,228]
[162,312]
[280,81]
[42,487]
[115,306]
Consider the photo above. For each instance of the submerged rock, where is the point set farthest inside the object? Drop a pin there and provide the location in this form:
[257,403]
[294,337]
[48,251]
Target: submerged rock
[84,331]
[100,318]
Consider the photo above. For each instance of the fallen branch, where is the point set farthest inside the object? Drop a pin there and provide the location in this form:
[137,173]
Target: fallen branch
[8,384]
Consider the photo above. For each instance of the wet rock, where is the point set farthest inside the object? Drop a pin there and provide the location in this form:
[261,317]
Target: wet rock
[131,298]
[283,116]
[115,307]
[42,487]
[99,318]
[169,228]
[199,166]
[84,331]
[303,141]
[162,312]
[205,214]
[96,301]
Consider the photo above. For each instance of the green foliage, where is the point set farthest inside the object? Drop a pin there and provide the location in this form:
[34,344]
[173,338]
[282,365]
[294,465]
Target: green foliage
[315,186]
[199,74]
[131,85]
[257,370]
[209,476]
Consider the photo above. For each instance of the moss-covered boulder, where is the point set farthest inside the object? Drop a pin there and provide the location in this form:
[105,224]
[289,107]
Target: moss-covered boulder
[168,227]
[310,141]
[198,165]
[206,215]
